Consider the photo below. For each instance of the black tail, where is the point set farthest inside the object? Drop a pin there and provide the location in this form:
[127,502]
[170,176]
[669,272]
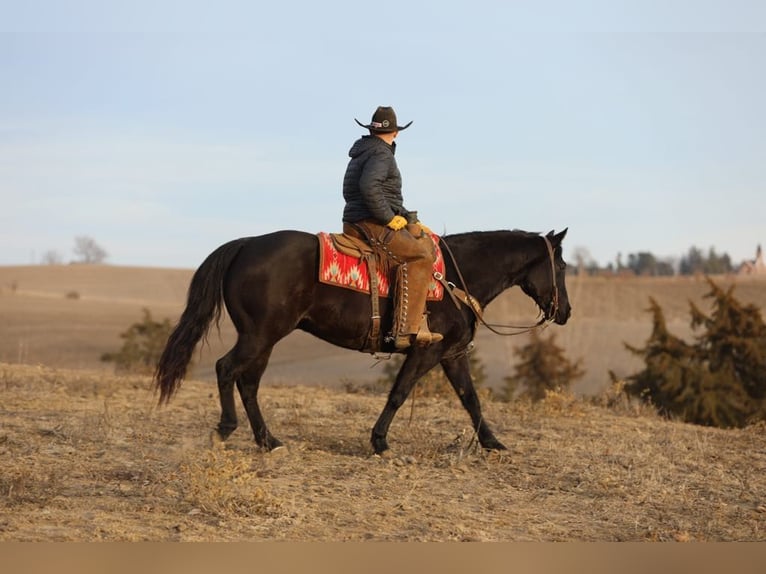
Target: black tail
[203,305]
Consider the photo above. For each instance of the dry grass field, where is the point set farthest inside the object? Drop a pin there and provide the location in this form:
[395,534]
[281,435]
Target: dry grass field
[87,455]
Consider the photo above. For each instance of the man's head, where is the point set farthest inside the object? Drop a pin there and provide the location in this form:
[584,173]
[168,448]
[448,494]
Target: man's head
[387,137]
[384,122]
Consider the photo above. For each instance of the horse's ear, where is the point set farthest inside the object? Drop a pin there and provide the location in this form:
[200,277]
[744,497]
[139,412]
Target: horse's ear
[558,238]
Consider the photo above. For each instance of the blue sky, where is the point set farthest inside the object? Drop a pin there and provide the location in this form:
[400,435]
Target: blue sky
[163,129]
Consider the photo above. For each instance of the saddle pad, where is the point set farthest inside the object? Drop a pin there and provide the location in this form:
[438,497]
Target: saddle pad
[341,270]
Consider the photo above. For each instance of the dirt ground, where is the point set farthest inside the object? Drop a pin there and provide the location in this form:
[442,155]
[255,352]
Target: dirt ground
[86,456]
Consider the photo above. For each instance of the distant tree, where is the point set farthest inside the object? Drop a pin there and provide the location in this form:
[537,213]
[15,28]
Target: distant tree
[641,263]
[583,260]
[543,367]
[692,262]
[645,263]
[142,346]
[718,380]
[88,251]
[665,268]
[52,257]
[696,262]
[618,262]
[717,264]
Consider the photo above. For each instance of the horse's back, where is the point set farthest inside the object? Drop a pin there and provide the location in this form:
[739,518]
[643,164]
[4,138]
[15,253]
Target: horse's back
[280,253]
[282,239]
[271,272]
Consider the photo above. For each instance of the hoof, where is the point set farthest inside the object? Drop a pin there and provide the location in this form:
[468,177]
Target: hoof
[217,440]
[270,444]
[495,445]
[225,430]
[379,444]
[278,450]
[384,454]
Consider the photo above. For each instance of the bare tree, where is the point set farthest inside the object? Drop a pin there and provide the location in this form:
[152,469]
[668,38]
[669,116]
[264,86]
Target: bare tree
[52,257]
[88,251]
[583,259]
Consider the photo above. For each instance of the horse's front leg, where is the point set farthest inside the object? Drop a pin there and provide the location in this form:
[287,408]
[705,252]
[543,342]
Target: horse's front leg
[459,374]
[415,365]
[396,397]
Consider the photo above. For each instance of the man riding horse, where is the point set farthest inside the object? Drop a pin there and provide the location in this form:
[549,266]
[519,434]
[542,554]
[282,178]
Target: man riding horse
[251,278]
[375,212]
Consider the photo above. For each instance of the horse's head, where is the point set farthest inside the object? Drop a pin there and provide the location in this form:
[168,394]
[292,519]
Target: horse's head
[545,281]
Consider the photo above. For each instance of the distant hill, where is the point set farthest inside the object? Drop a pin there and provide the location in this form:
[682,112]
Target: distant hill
[69,315]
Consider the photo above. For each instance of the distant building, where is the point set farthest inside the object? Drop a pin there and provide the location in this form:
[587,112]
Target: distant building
[755,267]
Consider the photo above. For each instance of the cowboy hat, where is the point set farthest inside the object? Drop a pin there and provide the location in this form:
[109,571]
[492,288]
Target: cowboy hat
[383,121]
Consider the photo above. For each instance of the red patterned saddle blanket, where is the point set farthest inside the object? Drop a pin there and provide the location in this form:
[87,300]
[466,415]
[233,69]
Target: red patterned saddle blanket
[341,270]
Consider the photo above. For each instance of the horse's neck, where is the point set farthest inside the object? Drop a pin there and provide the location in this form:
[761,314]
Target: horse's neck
[491,262]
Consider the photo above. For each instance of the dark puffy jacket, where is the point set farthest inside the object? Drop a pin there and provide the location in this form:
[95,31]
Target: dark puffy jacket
[372,186]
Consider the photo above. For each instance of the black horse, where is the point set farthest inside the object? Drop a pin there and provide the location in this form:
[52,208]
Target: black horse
[270,287]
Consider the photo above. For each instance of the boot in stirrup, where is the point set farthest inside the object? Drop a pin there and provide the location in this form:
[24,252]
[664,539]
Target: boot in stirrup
[422,338]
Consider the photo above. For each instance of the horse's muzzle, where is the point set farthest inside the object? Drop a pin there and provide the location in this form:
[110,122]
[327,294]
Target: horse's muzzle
[562,314]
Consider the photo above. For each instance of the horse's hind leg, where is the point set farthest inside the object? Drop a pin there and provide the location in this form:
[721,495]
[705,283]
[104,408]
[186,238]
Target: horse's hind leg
[224,369]
[239,367]
[248,384]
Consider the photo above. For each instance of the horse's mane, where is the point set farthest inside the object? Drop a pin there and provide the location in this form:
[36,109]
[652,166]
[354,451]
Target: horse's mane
[516,232]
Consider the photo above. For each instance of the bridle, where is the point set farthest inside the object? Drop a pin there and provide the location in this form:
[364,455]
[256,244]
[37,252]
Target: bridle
[553,306]
[548,314]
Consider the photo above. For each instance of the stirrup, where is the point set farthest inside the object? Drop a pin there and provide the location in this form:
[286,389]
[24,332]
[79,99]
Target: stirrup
[425,338]
[421,339]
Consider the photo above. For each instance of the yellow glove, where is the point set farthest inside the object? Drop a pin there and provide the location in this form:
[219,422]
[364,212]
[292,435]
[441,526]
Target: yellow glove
[397,223]
[425,228]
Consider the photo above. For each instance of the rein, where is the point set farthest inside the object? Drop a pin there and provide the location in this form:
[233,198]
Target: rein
[467,299]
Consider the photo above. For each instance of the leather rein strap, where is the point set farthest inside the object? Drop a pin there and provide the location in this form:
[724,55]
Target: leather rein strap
[459,296]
